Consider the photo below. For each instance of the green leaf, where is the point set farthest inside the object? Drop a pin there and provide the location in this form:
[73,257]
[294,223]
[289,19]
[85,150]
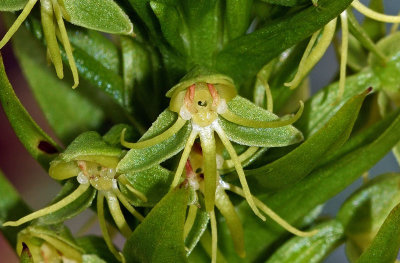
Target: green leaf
[12,207]
[154,183]
[310,249]
[72,209]
[237,17]
[288,2]
[68,112]
[141,159]
[302,160]
[102,15]
[246,55]
[365,211]
[35,140]
[142,81]
[386,244]
[323,105]
[262,137]
[389,74]
[12,5]
[297,200]
[93,245]
[159,238]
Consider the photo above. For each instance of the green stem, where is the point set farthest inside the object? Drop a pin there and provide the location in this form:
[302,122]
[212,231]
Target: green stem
[127,205]
[373,14]
[214,237]
[189,220]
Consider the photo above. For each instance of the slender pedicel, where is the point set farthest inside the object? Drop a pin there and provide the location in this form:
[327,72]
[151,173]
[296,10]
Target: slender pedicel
[239,170]
[373,14]
[272,214]
[52,208]
[232,117]
[157,139]
[130,187]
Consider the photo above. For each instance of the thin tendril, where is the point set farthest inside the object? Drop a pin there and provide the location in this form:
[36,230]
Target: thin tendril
[49,30]
[52,208]
[103,227]
[228,164]
[130,187]
[317,52]
[116,213]
[214,237]
[343,55]
[159,138]
[297,78]
[127,205]
[268,211]
[18,22]
[184,157]
[373,14]
[232,117]
[268,94]
[189,220]
[239,170]
[66,43]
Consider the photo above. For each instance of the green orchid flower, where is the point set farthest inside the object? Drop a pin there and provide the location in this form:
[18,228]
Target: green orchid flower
[92,162]
[49,244]
[201,105]
[105,16]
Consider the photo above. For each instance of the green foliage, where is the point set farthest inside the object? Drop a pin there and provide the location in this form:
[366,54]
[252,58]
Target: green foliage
[174,101]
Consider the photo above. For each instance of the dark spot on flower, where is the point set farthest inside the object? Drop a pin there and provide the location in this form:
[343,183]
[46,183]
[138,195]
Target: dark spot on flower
[25,249]
[202,103]
[47,147]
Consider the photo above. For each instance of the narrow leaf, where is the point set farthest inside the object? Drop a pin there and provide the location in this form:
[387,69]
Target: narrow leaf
[386,244]
[12,207]
[245,56]
[104,15]
[159,238]
[36,141]
[12,5]
[310,249]
[302,160]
